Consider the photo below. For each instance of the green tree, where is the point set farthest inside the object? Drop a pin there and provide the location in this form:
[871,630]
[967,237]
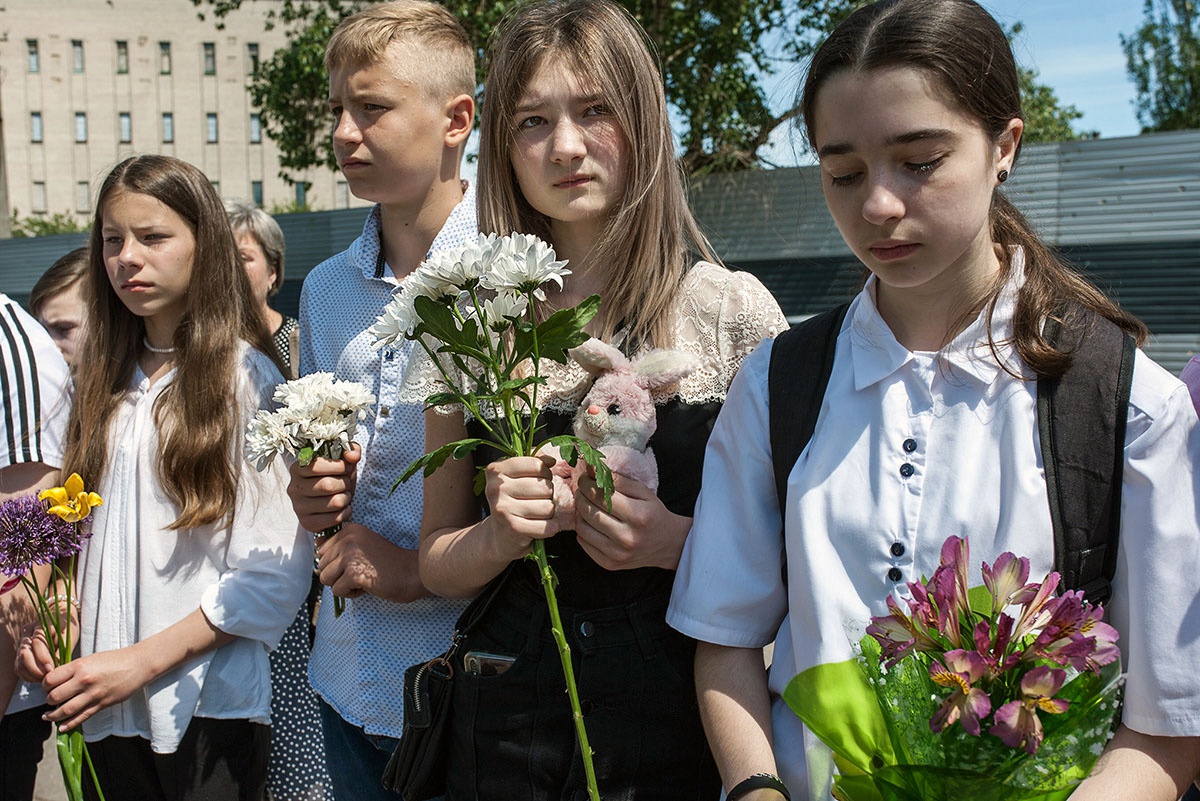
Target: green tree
[46,224]
[1163,59]
[1046,119]
[716,56]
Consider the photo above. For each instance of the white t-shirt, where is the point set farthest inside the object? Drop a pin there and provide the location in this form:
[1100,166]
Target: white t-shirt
[910,448]
[137,576]
[35,385]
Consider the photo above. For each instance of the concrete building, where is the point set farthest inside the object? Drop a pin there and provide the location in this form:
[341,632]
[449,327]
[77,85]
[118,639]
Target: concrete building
[84,84]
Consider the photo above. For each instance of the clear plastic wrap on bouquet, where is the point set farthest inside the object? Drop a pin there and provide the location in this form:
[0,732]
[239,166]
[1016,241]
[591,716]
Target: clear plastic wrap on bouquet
[958,699]
[876,722]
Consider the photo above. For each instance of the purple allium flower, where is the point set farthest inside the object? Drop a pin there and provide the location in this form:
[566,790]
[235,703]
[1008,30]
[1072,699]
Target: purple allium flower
[29,536]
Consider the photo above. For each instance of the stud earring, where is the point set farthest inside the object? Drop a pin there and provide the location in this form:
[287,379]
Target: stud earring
[1002,176]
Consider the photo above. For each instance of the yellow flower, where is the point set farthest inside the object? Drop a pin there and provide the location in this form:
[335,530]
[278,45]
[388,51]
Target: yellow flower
[71,502]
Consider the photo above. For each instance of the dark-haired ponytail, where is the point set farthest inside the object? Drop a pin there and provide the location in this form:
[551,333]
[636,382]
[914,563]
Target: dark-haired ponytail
[1052,288]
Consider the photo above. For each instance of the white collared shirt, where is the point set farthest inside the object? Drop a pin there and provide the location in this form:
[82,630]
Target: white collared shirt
[909,449]
[137,576]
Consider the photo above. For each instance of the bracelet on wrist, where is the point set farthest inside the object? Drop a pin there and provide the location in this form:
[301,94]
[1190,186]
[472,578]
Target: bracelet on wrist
[59,600]
[759,781]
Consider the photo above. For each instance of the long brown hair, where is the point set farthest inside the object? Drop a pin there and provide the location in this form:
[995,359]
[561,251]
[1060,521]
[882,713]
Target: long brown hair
[197,414]
[652,233]
[967,56]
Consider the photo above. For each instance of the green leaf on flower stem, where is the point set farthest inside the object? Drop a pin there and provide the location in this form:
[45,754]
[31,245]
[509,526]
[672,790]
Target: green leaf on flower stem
[305,455]
[442,399]
[572,449]
[430,462]
[438,321]
[556,334]
[480,482]
[514,385]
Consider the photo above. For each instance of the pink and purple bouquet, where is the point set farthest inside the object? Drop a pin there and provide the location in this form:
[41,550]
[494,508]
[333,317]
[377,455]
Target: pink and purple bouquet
[1005,691]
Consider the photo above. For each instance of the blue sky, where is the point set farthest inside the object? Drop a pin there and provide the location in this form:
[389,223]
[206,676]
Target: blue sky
[1076,48]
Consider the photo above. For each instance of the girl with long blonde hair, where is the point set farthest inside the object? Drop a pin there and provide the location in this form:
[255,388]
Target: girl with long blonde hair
[576,147]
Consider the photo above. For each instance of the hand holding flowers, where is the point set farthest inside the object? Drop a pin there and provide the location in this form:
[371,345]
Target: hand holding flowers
[50,530]
[472,312]
[957,697]
[318,417]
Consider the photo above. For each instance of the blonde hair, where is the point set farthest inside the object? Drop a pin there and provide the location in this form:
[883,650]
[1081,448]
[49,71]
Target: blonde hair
[447,55]
[197,415]
[651,233]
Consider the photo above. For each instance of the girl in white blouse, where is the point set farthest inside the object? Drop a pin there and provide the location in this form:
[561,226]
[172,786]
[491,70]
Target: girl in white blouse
[928,427]
[196,564]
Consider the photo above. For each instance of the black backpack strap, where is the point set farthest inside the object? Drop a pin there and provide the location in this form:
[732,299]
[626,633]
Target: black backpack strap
[801,362]
[1081,425]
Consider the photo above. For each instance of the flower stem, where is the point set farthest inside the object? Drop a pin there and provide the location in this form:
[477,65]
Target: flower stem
[564,654]
[339,603]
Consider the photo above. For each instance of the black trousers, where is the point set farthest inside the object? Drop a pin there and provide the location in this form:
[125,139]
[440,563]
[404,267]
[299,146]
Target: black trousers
[218,760]
[22,735]
[512,736]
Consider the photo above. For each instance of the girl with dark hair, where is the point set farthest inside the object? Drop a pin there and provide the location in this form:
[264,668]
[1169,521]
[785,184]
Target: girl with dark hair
[196,564]
[576,147]
[928,426]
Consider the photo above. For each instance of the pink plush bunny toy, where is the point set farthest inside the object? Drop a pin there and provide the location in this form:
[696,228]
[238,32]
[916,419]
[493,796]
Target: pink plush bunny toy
[617,416]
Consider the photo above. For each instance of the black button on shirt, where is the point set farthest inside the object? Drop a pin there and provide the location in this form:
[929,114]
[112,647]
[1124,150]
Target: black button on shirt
[894,574]
[897,549]
[907,470]
[910,445]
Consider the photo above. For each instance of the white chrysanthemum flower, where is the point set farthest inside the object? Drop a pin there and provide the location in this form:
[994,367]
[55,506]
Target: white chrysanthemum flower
[500,311]
[397,321]
[351,397]
[525,264]
[267,436]
[306,392]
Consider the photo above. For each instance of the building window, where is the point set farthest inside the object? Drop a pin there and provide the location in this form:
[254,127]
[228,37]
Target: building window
[301,195]
[35,126]
[210,58]
[252,57]
[80,126]
[343,195]
[35,64]
[255,129]
[122,58]
[164,58]
[216,185]
[256,193]
[76,55]
[168,127]
[210,127]
[83,197]
[39,196]
[125,124]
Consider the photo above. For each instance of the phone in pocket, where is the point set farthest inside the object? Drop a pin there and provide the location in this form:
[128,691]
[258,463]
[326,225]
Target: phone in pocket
[482,663]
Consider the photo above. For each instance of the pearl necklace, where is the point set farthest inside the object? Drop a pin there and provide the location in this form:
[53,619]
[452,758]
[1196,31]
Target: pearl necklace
[152,349]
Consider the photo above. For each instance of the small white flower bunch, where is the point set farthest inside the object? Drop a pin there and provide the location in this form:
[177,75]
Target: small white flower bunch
[512,267]
[317,416]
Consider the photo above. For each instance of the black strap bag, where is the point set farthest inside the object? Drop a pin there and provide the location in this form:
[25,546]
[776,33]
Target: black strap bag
[417,768]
